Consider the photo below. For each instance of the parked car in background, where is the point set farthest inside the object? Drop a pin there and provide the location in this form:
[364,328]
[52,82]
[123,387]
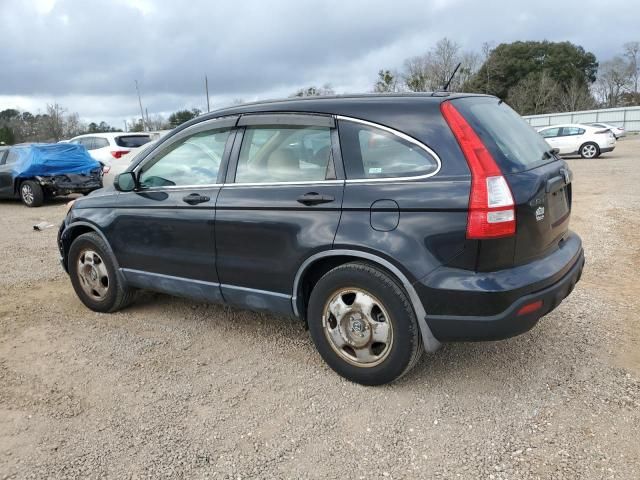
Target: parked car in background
[618,132]
[574,139]
[36,172]
[108,148]
[117,168]
[388,224]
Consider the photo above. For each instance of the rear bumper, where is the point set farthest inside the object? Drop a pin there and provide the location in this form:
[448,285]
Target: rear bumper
[607,149]
[484,306]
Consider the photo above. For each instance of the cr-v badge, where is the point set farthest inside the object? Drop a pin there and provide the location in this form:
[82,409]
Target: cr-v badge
[539,213]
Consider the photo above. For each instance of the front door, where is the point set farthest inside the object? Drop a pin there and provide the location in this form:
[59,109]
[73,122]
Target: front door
[280,204]
[163,235]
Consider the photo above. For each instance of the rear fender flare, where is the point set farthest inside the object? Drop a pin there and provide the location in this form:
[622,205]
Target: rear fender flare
[431,343]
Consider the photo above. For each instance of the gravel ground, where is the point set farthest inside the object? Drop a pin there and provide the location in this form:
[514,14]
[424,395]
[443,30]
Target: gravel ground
[171,389]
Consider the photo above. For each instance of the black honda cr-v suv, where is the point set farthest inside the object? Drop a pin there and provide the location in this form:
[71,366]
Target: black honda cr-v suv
[389,224]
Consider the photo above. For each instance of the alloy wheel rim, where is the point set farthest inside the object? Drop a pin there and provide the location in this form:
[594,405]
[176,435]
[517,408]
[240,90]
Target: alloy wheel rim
[589,151]
[27,193]
[93,274]
[358,327]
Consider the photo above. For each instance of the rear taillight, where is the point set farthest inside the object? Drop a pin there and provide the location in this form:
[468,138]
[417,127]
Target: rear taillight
[119,153]
[491,208]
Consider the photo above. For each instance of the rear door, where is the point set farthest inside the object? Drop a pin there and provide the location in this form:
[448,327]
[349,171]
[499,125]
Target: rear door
[280,204]
[163,233]
[571,139]
[6,175]
[539,180]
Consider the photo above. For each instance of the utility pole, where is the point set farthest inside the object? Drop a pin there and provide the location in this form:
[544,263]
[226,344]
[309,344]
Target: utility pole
[140,103]
[206,89]
[148,123]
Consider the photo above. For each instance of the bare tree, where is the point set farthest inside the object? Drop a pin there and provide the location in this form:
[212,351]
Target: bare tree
[536,93]
[487,50]
[613,80]
[575,97]
[72,125]
[433,70]
[632,53]
[52,126]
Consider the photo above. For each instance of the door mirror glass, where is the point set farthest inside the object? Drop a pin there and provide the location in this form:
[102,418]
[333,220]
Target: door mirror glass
[125,182]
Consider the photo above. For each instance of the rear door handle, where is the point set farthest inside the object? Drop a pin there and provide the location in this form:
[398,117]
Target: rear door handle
[195,198]
[313,198]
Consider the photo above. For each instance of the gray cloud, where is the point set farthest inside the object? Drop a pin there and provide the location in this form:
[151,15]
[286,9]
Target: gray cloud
[86,54]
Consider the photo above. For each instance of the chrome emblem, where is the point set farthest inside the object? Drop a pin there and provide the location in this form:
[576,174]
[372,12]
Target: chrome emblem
[539,213]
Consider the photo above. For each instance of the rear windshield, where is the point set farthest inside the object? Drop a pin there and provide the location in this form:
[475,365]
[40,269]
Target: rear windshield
[514,144]
[132,141]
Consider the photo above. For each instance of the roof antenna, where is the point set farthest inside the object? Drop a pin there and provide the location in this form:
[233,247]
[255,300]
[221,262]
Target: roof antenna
[446,85]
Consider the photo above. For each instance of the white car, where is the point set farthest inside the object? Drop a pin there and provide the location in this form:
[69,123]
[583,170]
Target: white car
[573,138]
[617,131]
[109,148]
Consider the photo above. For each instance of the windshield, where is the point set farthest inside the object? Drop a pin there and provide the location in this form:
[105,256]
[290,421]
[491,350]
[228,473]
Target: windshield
[514,144]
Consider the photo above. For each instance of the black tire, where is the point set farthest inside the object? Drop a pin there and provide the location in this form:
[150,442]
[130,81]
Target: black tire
[31,193]
[117,295]
[405,347]
[587,149]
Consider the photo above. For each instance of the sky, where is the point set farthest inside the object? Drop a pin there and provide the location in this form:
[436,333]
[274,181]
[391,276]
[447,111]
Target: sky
[87,54]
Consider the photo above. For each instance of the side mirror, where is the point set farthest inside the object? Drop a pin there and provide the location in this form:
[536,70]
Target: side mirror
[555,151]
[125,182]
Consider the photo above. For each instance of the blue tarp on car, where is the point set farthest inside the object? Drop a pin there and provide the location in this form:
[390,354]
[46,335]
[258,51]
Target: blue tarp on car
[52,159]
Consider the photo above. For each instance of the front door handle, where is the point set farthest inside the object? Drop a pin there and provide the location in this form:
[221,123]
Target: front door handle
[314,198]
[195,198]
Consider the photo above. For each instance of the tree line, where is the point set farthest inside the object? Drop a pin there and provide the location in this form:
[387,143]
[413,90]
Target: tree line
[56,124]
[533,77]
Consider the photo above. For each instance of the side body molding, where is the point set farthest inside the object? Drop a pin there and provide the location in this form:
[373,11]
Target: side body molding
[431,343]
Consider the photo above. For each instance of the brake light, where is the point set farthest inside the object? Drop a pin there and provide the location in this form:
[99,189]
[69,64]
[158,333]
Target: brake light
[491,208]
[119,153]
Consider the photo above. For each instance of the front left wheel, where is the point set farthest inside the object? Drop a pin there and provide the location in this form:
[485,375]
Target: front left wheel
[363,325]
[31,194]
[93,275]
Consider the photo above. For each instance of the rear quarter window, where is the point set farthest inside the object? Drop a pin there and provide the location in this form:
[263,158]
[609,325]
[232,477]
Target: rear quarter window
[514,144]
[132,141]
[369,152]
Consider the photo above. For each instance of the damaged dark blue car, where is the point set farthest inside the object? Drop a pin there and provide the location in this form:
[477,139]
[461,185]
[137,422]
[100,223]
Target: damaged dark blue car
[36,172]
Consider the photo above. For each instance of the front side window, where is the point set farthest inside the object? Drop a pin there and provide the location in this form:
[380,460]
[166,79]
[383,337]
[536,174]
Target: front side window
[284,154]
[550,132]
[370,153]
[194,160]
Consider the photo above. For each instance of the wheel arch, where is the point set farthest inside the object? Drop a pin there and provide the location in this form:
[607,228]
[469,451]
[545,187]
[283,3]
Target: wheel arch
[320,263]
[73,231]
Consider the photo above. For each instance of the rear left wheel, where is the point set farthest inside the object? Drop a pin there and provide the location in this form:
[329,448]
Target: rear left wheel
[589,150]
[363,325]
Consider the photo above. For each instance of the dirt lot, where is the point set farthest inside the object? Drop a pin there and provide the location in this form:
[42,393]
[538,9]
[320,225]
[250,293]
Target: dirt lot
[170,388]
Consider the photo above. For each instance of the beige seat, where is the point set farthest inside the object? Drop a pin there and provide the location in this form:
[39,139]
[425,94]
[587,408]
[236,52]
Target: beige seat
[283,165]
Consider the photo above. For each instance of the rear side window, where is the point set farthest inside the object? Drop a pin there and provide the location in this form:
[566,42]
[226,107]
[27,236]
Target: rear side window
[3,156]
[284,154]
[369,152]
[132,141]
[566,131]
[514,144]
[100,142]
